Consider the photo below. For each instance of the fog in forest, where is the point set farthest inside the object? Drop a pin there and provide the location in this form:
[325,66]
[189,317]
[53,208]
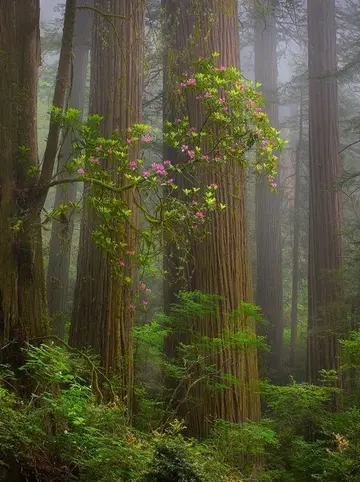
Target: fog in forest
[179,240]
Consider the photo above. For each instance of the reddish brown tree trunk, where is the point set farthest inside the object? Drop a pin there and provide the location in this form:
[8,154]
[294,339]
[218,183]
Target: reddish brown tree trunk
[269,289]
[21,279]
[62,229]
[325,210]
[220,263]
[101,316]
[22,291]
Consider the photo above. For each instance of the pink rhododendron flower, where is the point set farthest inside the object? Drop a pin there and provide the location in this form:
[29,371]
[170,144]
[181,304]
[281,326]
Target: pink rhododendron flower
[205,157]
[98,148]
[198,97]
[258,109]
[147,139]
[132,307]
[146,173]
[132,164]
[145,302]
[200,214]
[129,140]
[222,99]
[274,185]
[81,170]
[214,186]
[167,163]
[148,290]
[191,81]
[184,147]
[142,286]
[130,252]
[122,263]
[193,129]
[207,94]
[191,153]
[95,160]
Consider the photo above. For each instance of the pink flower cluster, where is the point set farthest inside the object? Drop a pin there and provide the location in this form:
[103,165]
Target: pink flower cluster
[272,182]
[144,302]
[188,82]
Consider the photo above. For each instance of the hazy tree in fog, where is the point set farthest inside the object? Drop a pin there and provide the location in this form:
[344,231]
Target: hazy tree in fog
[22,191]
[296,240]
[219,263]
[62,229]
[325,210]
[101,316]
[269,288]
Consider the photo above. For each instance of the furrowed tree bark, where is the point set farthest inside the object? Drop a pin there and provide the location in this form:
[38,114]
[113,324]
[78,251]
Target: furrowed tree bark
[23,312]
[62,229]
[269,287]
[101,317]
[220,263]
[296,241]
[325,209]
[21,280]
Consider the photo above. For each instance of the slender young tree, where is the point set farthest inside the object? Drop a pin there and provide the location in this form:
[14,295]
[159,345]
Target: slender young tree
[220,263]
[22,193]
[101,317]
[325,212]
[269,288]
[62,229]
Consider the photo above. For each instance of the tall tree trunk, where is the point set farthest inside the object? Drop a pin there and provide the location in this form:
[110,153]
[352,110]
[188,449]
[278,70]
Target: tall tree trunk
[21,280]
[220,263]
[296,241]
[325,210]
[269,288]
[62,229]
[22,290]
[101,316]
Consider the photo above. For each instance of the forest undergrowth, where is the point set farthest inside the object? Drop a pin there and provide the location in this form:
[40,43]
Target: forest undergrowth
[72,426]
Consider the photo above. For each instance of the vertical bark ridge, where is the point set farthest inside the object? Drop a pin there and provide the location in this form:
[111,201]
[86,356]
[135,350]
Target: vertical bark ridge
[101,316]
[325,212]
[219,264]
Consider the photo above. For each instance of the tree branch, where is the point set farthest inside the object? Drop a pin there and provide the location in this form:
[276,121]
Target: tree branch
[101,12]
[89,180]
[350,145]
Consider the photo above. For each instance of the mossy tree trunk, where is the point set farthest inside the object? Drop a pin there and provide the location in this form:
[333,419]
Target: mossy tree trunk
[22,193]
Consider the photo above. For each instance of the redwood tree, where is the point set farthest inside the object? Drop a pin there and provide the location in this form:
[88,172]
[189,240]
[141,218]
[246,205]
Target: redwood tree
[101,316]
[269,289]
[62,228]
[219,263]
[22,191]
[325,212]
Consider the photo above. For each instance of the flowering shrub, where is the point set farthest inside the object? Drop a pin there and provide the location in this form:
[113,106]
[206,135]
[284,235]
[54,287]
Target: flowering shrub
[233,123]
